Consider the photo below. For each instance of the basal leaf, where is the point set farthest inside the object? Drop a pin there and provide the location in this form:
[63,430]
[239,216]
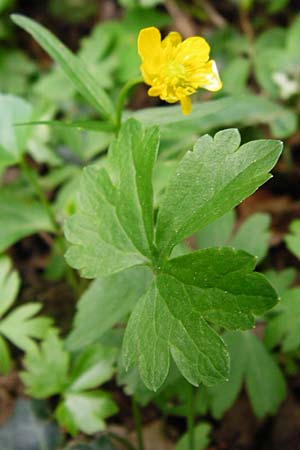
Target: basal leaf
[85,411]
[21,327]
[264,381]
[252,364]
[92,367]
[73,67]
[210,181]
[46,368]
[283,327]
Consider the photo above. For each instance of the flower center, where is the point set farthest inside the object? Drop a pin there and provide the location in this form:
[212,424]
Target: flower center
[174,73]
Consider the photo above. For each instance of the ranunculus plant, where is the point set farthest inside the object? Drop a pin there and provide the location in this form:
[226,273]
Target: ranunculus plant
[186,299]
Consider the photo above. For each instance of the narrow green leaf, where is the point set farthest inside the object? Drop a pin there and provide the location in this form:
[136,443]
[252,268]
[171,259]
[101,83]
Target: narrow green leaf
[88,125]
[5,358]
[210,181]
[73,67]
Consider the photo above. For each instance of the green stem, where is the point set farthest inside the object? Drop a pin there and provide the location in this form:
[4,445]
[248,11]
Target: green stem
[137,423]
[122,98]
[33,180]
[191,417]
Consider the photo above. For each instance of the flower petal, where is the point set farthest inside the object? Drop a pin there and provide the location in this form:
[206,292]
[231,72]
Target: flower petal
[194,47]
[149,43]
[172,39]
[213,81]
[186,105]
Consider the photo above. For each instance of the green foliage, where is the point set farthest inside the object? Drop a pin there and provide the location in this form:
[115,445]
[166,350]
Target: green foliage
[240,110]
[115,296]
[16,69]
[222,175]
[202,439]
[283,327]
[292,239]
[19,326]
[253,235]
[13,140]
[277,65]
[20,216]
[250,363]
[49,372]
[84,82]
[208,182]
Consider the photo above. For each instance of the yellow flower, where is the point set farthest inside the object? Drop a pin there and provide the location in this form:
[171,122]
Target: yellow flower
[175,69]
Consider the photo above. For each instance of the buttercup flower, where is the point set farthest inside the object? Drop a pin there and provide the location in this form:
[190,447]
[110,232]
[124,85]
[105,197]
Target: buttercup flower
[175,69]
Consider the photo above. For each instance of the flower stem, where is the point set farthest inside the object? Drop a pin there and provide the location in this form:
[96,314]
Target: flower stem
[33,180]
[137,423]
[122,98]
[191,417]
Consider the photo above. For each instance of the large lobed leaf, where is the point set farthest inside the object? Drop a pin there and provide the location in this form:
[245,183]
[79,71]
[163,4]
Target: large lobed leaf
[113,229]
[193,296]
[175,316]
[210,181]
